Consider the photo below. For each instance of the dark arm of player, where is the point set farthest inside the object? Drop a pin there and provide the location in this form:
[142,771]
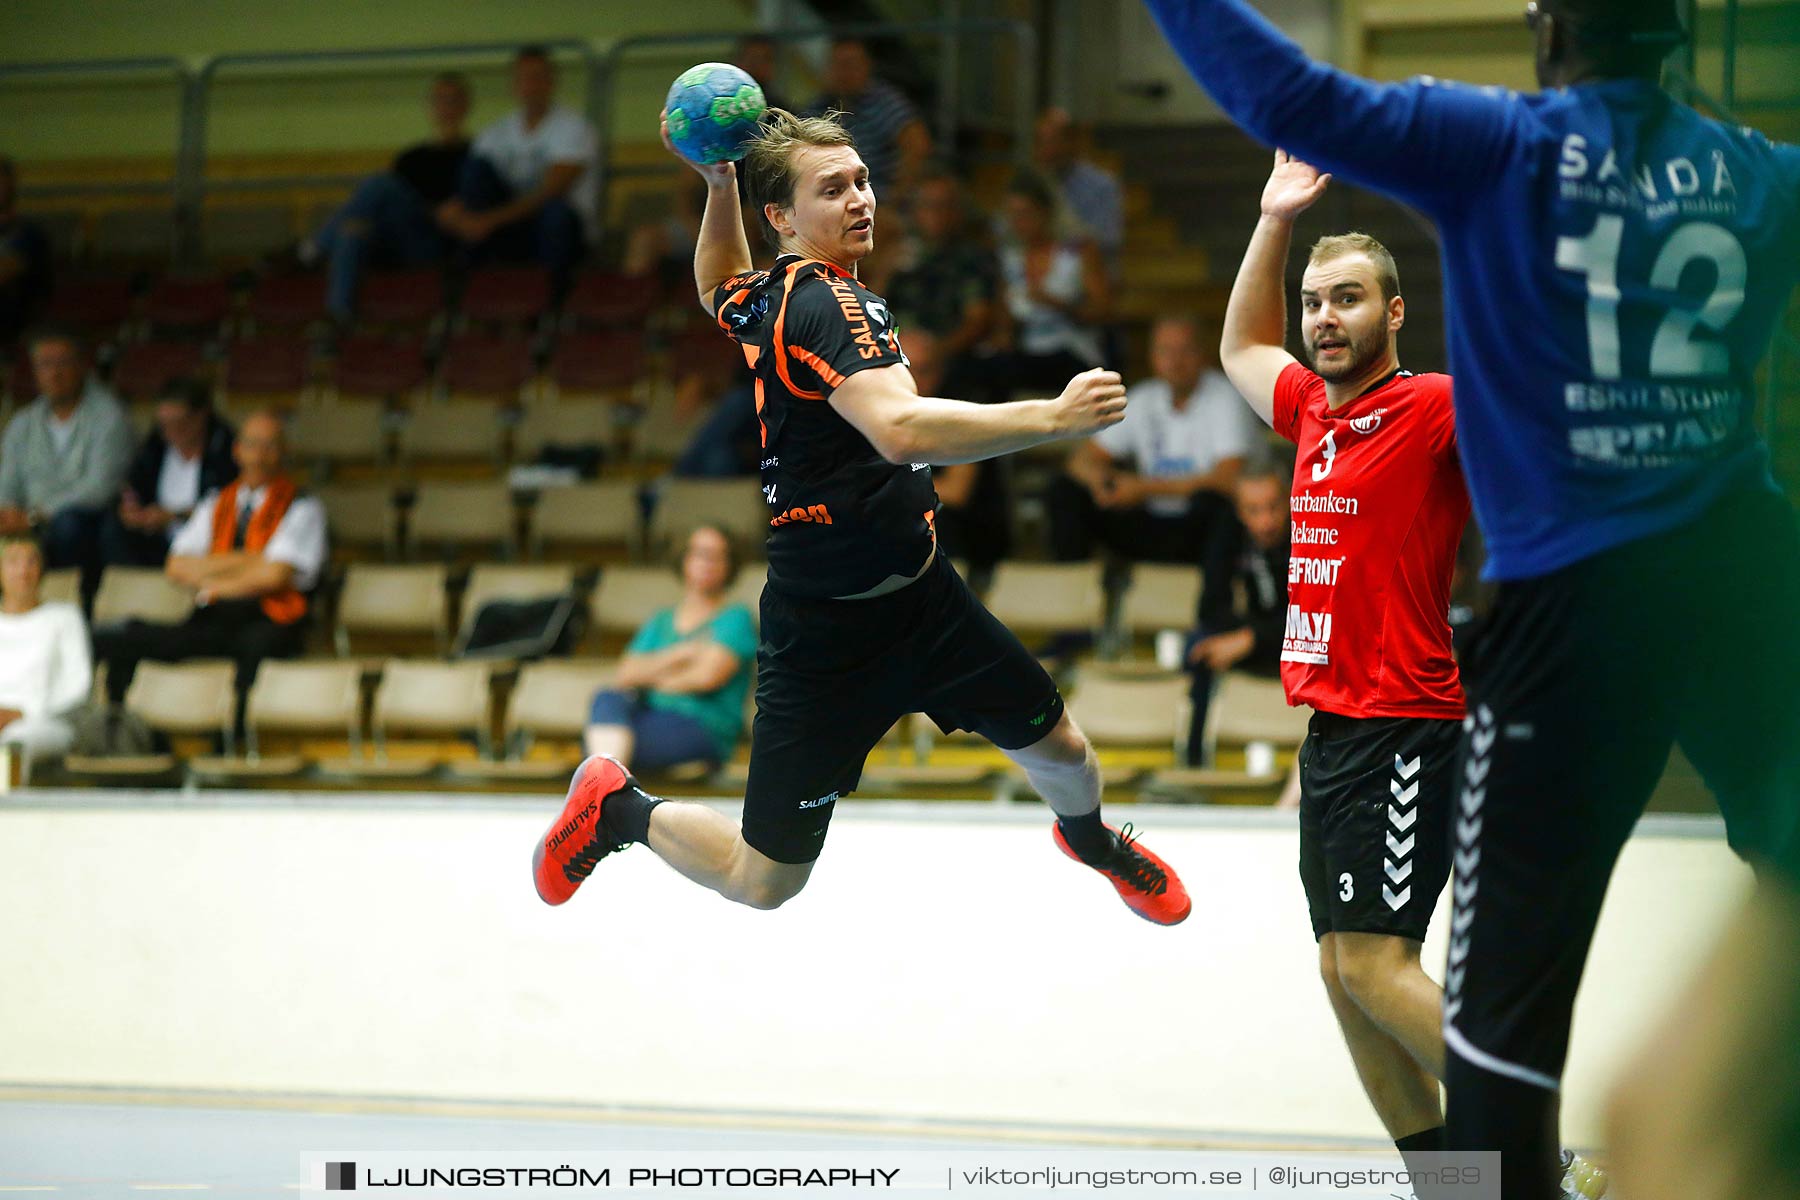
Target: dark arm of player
[1422,141]
[884,405]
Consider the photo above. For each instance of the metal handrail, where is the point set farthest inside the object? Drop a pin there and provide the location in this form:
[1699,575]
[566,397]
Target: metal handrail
[191,183]
[1024,83]
[175,68]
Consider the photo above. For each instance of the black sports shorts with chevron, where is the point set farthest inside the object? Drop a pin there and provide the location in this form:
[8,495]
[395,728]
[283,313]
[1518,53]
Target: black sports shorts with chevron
[1375,796]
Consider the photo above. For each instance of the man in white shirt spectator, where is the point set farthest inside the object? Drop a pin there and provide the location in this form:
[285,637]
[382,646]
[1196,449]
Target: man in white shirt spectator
[63,456]
[1186,435]
[1090,193]
[45,668]
[530,187]
[251,553]
[186,456]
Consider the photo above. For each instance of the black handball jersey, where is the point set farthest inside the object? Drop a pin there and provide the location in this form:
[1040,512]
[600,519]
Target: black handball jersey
[842,519]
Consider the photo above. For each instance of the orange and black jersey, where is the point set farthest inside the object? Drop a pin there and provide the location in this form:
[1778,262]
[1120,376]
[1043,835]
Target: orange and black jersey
[843,520]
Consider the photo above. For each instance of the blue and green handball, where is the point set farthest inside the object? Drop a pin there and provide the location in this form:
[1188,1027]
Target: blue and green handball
[713,110]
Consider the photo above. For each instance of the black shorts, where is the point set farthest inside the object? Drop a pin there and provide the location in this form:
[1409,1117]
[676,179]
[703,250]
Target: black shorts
[1375,798]
[1579,682]
[834,675]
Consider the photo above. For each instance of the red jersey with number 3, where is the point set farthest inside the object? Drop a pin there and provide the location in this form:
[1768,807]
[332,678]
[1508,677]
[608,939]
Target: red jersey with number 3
[1378,510]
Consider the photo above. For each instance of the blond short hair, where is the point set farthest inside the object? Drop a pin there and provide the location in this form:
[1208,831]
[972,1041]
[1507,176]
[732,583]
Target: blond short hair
[769,162]
[1339,245]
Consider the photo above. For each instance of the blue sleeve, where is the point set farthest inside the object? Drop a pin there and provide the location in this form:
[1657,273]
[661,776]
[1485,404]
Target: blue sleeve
[735,631]
[1428,143]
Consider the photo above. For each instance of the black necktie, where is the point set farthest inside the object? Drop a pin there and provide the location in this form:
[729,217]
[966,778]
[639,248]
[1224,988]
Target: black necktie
[242,529]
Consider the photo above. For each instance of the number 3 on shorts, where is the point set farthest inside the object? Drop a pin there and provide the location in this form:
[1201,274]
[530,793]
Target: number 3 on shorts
[1349,887]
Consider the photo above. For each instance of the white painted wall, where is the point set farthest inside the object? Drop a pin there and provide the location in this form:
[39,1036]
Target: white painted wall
[950,966]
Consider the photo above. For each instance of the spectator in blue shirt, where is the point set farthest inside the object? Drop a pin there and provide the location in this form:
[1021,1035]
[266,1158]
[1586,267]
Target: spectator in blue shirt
[1090,193]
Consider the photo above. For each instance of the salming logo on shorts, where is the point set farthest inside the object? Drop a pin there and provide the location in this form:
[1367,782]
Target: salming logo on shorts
[821,802]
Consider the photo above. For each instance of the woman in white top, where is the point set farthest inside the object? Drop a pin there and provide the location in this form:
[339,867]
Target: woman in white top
[45,668]
[1054,297]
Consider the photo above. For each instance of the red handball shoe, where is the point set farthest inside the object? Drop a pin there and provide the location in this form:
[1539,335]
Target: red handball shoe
[576,841]
[1144,881]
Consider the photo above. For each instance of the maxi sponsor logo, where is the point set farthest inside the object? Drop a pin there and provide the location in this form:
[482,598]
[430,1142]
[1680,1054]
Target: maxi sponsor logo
[1307,638]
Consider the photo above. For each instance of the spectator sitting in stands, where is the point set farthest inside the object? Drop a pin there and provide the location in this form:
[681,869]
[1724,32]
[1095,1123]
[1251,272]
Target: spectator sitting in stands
[24,261]
[890,136]
[64,456]
[1248,640]
[1089,193]
[393,218]
[187,456]
[1189,434]
[45,669]
[250,553]
[974,511]
[529,190]
[679,693]
[1054,295]
[945,280]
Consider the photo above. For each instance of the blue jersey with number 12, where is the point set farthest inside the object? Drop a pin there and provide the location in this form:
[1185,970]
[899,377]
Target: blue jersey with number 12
[1614,266]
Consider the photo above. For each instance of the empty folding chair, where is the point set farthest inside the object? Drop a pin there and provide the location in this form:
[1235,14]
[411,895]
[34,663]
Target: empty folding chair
[441,699]
[512,296]
[605,363]
[379,368]
[322,697]
[625,597]
[1036,598]
[570,424]
[1245,709]
[287,302]
[358,516]
[735,505]
[481,365]
[451,431]
[490,582]
[586,515]
[609,299]
[1160,597]
[95,304]
[548,704]
[450,516]
[143,368]
[188,306]
[140,594]
[407,299]
[387,601]
[194,699]
[747,589]
[269,369]
[347,431]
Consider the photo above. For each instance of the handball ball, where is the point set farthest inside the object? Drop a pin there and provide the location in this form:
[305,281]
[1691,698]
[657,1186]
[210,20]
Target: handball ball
[713,110]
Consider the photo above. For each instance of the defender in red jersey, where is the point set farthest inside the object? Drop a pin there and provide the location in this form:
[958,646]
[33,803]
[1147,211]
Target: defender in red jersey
[1378,509]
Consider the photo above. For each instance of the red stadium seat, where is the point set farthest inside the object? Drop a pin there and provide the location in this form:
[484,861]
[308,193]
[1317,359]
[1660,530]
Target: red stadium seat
[288,301]
[95,304]
[597,362]
[373,366]
[487,366]
[270,365]
[144,367]
[507,295]
[196,304]
[408,298]
[610,299]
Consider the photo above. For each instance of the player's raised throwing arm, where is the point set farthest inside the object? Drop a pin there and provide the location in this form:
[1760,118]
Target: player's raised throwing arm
[1253,350]
[722,250]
